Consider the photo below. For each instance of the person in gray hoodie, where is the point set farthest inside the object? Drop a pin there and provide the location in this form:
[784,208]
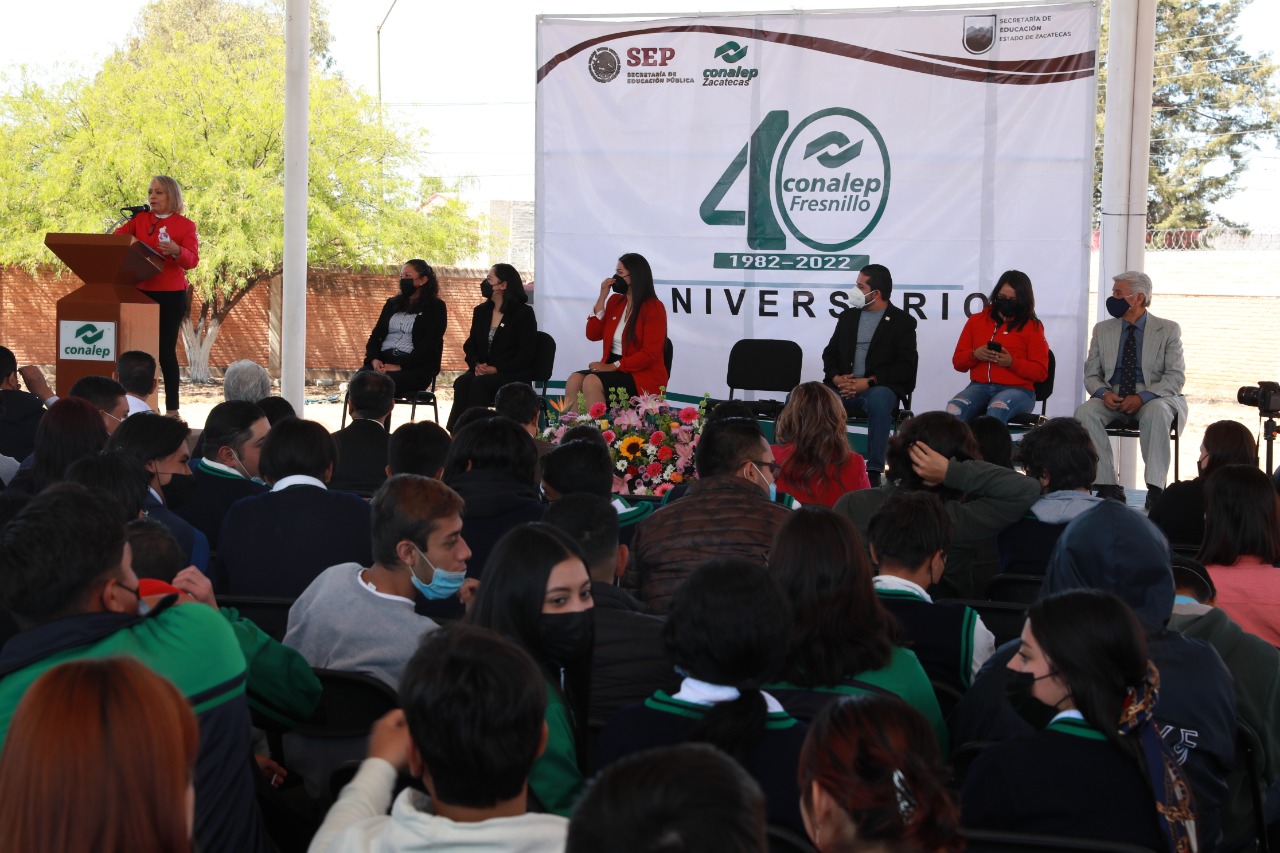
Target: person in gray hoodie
[1060,455]
[1111,547]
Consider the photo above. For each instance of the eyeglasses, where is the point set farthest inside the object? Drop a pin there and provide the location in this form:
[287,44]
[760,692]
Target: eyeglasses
[773,467]
[113,417]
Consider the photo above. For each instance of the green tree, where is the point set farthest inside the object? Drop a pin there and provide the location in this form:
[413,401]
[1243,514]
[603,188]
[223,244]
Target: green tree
[199,95]
[1212,104]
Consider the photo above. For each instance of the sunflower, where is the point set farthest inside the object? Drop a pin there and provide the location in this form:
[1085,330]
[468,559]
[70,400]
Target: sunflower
[631,446]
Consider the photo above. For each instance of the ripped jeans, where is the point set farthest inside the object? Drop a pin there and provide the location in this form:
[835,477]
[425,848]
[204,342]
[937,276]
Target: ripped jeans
[999,401]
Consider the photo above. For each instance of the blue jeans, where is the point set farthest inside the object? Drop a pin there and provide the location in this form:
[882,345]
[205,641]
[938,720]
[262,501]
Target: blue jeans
[999,401]
[877,403]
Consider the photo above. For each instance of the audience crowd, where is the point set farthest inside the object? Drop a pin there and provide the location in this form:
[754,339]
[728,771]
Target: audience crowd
[799,649]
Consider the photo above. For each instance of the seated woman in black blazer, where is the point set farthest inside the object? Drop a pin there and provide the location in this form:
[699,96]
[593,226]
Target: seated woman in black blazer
[500,347]
[408,340]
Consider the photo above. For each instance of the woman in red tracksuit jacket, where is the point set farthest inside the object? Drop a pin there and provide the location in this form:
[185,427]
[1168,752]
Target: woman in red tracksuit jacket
[1005,352]
[633,326]
[166,230]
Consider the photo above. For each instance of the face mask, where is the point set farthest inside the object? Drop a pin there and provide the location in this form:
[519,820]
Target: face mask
[773,487]
[486,289]
[178,489]
[1018,687]
[1117,306]
[619,285]
[245,471]
[1006,307]
[443,584]
[566,637]
[406,287]
[857,299]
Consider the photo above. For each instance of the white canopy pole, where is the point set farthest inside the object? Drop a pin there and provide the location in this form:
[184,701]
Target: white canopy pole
[1126,145]
[293,322]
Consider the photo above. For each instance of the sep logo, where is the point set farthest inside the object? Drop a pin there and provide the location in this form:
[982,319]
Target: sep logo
[604,64]
[826,183]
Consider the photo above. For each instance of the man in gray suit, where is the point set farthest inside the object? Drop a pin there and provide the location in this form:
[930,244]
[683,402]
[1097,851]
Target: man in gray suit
[1134,375]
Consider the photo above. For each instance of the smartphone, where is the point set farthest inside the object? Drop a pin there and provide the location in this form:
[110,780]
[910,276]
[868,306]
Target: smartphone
[995,346]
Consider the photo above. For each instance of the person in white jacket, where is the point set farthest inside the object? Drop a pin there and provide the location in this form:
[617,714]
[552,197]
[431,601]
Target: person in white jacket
[471,725]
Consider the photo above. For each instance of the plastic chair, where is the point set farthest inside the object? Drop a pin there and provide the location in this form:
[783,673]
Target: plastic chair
[764,365]
[1018,589]
[425,397]
[544,359]
[268,612]
[1043,391]
[1249,751]
[1002,618]
[337,732]
[1127,427]
[1000,841]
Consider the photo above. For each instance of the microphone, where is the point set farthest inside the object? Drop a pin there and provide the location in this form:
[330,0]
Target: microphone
[136,209]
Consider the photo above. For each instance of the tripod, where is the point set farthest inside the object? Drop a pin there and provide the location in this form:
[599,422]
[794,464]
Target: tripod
[1269,432]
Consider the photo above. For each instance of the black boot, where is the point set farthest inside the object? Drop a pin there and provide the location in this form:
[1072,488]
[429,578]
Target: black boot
[1153,495]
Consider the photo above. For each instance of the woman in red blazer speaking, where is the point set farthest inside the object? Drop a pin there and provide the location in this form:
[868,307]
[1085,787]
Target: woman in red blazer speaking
[633,326]
[166,230]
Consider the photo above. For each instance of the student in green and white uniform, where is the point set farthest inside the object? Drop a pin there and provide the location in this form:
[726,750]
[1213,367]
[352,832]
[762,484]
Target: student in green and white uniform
[843,641]
[537,593]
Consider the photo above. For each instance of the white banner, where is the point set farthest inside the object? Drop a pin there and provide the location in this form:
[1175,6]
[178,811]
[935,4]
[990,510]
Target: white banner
[759,161]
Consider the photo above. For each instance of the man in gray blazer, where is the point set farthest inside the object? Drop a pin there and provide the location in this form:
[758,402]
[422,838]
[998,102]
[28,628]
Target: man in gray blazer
[1134,375]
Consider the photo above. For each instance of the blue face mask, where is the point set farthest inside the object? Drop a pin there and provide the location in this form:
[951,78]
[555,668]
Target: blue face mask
[443,584]
[773,487]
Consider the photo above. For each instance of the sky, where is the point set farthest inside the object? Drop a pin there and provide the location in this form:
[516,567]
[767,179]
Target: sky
[463,72]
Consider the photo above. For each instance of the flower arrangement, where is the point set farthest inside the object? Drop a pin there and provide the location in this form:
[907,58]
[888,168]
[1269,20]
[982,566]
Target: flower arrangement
[651,441]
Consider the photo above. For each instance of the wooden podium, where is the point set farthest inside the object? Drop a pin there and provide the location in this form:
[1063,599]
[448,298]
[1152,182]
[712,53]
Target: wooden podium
[108,315]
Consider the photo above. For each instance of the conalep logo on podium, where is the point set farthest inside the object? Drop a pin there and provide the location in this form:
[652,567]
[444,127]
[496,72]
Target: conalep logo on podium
[87,340]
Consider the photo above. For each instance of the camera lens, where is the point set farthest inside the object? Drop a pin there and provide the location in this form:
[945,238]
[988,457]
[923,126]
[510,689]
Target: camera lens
[1248,395]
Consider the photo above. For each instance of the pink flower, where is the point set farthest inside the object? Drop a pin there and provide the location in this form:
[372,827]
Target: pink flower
[684,434]
[684,454]
[627,419]
[663,488]
[619,486]
[689,415]
[657,438]
[560,433]
[597,410]
[653,470]
[609,436]
[648,404]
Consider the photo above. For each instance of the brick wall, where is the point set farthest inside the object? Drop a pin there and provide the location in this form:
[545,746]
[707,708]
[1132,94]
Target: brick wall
[342,307]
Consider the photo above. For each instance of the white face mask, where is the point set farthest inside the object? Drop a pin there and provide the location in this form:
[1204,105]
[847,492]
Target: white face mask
[858,299]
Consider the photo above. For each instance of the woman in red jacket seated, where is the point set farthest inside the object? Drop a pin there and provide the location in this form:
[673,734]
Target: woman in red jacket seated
[813,448]
[1005,352]
[633,326]
[166,230]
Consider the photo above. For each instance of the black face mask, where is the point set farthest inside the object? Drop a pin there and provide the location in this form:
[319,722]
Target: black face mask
[406,287]
[486,289]
[566,637]
[178,489]
[1018,687]
[620,285]
[1006,307]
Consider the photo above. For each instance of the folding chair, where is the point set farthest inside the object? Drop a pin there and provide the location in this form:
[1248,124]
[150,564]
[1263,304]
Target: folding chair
[1016,589]
[268,612]
[544,359]
[1043,391]
[764,365]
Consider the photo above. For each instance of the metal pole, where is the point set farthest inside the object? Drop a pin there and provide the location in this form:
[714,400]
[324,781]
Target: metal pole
[378,34]
[293,345]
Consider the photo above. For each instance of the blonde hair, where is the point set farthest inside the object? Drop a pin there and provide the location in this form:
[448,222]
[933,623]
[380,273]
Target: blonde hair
[176,204]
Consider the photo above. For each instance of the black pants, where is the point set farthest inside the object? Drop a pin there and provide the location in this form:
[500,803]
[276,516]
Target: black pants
[174,305]
[471,391]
